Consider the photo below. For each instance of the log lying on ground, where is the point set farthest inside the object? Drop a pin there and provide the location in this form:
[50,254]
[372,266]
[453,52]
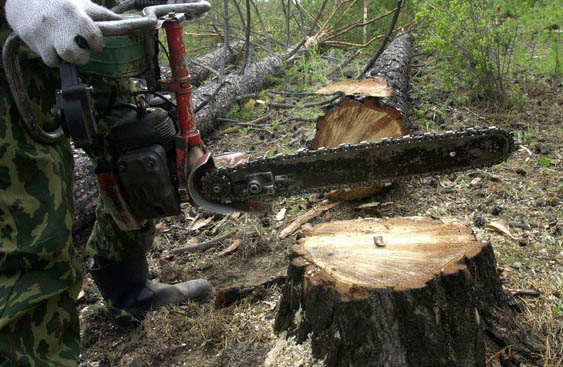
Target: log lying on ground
[85,194]
[216,98]
[381,115]
[400,292]
[393,66]
[212,60]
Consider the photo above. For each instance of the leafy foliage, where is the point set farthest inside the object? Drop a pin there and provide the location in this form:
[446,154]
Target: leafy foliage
[473,40]
[486,44]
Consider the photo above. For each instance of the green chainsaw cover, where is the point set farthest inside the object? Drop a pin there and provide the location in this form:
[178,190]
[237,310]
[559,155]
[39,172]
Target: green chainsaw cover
[121,57]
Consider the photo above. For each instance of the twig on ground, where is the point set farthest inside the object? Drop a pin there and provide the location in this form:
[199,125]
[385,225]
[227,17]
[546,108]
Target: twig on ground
[199,247]
[474,114]
[190,226]
[291,93]
[306,105]
[242,124]
[239,125]
[524,292]
[227,296]
[206,67]
[285,105]
[305,218]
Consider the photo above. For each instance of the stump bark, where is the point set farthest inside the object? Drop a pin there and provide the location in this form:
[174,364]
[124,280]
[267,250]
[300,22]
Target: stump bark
[359,118]
[399,292]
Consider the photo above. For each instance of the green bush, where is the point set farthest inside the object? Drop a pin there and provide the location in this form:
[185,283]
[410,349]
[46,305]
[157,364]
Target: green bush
[474,42]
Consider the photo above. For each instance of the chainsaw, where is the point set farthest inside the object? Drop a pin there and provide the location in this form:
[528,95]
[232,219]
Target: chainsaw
[157,160]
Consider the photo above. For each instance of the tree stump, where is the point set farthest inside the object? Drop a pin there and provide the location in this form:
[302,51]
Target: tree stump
[399,292]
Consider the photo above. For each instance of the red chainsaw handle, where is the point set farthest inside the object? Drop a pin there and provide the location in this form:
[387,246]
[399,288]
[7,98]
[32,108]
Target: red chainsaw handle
[179,84]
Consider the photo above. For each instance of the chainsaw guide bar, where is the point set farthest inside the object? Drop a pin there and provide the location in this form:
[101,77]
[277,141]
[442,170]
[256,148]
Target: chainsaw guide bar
[363,164]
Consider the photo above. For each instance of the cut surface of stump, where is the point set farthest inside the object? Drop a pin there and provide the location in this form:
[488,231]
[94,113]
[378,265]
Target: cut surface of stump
[393,255]
[398,292]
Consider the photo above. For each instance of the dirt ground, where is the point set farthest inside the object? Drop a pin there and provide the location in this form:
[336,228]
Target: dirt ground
[526,192]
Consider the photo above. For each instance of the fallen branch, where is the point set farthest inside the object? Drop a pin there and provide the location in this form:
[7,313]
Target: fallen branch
[201,246]
[313,213]
[240,125]
[231,248]
[306,105]
[228,296]
[524,292]
[364,45]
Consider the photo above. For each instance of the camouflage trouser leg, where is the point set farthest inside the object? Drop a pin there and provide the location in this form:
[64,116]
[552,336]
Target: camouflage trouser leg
[39,274]
[108,243]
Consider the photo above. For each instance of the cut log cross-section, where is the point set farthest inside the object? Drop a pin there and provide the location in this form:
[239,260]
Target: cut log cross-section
[377,108]
[396,292]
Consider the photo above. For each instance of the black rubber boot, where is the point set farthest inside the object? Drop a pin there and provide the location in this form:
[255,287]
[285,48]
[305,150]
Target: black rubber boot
[125,285]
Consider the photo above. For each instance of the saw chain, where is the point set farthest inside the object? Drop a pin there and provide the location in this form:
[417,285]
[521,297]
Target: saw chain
[364,164]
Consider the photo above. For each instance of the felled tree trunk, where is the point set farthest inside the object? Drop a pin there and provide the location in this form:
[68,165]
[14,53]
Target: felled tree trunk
[379,115]
[214,99]
[212,60]
[399,292]
[393,66]
[85,194]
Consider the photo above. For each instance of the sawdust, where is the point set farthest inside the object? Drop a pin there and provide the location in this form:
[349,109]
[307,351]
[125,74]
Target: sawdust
[286,352]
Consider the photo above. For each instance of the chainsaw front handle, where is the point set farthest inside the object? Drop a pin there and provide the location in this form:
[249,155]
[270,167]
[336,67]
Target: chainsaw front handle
[149,21]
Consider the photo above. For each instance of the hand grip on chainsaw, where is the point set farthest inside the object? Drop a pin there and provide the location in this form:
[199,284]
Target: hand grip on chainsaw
[141,4]
[149,21]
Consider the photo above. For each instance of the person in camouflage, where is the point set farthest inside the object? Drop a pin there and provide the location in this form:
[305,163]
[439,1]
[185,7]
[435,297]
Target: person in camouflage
[39,272]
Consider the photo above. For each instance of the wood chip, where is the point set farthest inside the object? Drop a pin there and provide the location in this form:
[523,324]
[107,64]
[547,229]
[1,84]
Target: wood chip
[281,214]
[307,227]
[373,204]
[200,223]
[81,294]
[475,181]
[231,248]
[160,228]
[376,87]
[500,227]
[299,221]
[378,241]
[446,183]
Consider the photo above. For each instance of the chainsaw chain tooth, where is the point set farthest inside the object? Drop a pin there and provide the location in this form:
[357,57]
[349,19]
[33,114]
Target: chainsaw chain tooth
[222,177]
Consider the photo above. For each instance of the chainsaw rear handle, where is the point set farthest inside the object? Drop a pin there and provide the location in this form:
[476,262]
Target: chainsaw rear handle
[149,22]
[14,76]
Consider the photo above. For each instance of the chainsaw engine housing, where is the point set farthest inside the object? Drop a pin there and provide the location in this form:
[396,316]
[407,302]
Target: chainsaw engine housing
[142,165]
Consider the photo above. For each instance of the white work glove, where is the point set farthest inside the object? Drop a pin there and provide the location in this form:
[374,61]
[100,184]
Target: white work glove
[52,28]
